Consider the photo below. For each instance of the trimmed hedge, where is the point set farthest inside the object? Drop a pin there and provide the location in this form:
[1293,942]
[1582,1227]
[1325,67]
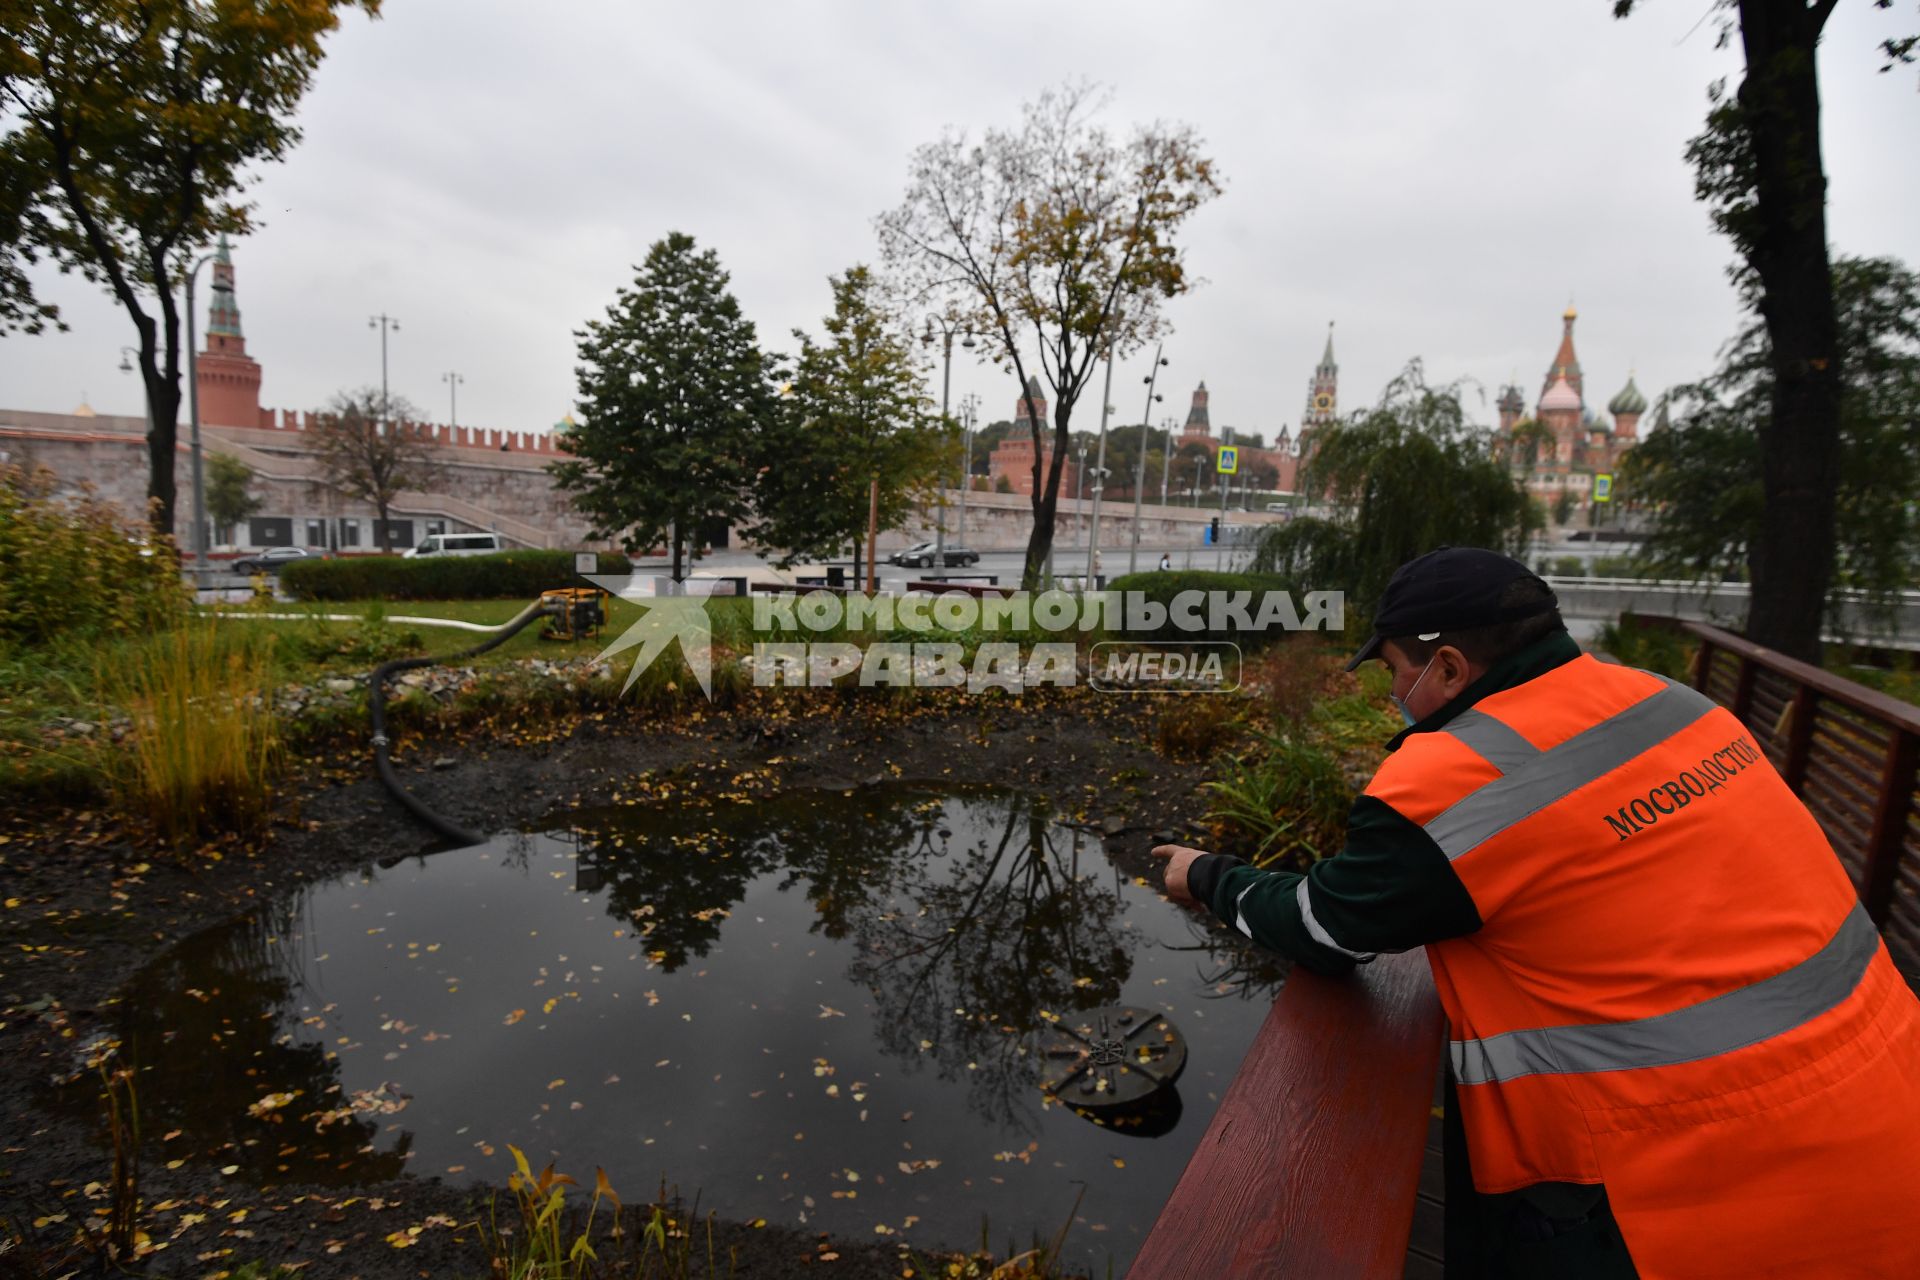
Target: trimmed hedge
[1162,586]
[505,574]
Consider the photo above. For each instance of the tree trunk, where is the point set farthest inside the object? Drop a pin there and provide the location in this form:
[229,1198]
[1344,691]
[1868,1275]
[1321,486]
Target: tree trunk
[1792,561]
[678,540]
[1046,498]
[385,528]
[163,434]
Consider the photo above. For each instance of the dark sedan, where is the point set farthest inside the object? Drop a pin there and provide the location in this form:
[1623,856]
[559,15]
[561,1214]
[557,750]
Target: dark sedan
[272,560]
[922,555]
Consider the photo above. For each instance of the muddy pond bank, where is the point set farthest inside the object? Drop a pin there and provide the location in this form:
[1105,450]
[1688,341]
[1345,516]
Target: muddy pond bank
[94,912]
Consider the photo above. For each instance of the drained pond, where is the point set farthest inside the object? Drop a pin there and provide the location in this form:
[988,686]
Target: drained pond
[828,1009]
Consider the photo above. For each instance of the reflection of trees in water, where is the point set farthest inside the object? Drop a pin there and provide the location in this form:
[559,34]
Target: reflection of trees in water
[676,882]
[850,851]
[977,946]
[213,1027]
[1003,929]
[1231,967]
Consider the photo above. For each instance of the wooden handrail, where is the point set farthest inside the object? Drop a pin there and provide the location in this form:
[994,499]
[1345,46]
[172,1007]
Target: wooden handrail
[1870,833]
[1311,1163]
[1871,702]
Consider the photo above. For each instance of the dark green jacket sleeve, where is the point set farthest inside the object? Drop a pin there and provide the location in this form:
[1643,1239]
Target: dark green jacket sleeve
[1390,889]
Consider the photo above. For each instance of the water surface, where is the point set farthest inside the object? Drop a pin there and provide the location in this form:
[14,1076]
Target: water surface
[819,1009]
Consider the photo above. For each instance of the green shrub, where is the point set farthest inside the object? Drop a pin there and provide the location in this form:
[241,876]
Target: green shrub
[74,569]
[366,643]
[1570,567]
[1286,801]
[1623,567]
[505,575]
[1666,650]
[1193,729]
[1162,588]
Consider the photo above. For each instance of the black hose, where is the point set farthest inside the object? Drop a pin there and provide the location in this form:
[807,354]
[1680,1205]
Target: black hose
[377,705]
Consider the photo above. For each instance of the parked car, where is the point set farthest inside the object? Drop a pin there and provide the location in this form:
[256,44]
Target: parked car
[921,555]
[456,544]
[272,560]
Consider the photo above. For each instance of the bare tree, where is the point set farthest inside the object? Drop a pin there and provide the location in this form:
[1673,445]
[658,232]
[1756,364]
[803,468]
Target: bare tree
[367,455]
[1056,237]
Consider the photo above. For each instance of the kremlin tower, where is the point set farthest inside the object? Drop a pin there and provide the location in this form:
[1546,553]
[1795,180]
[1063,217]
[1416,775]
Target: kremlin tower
[229,378]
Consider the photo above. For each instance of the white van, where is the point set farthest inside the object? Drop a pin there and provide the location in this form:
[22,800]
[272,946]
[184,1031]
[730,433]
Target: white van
[456,544]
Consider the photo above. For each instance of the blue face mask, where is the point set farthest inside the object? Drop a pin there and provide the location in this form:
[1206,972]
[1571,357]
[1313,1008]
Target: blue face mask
[1401,704]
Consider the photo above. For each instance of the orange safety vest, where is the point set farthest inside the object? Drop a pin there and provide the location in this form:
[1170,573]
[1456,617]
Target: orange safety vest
[1675,990]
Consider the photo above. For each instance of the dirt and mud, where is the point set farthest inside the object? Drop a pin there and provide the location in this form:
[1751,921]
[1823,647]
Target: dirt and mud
[86,905]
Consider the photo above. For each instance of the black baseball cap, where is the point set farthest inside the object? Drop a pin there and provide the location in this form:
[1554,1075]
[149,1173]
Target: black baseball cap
[1451,589]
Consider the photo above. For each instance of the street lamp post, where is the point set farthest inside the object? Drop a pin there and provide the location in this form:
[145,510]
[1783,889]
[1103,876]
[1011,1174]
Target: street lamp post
[383,322]
[968,403]
[193,417]
[1140,466]
[453,381]
[1100,473]
[1166,457]
[1226,487]
[946,326]
[127,356]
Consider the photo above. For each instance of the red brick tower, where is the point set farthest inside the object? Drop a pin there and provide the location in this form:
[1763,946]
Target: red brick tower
[1031,409]
[1199,423]
[229,378]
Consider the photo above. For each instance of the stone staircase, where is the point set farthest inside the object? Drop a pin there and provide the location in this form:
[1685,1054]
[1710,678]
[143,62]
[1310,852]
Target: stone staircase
[410,502]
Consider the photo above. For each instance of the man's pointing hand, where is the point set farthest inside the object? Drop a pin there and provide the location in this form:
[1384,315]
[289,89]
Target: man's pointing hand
[1178,858]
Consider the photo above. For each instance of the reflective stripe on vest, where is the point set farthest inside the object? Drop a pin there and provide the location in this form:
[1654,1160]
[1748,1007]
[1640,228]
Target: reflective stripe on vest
[1533,779]
[1742,1017]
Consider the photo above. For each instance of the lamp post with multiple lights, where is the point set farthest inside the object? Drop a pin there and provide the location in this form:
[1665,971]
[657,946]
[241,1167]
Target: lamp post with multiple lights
[193,417]
[383,322]
[453,381]
[1140,467]
[946,328]
[1099,477]
[969,408]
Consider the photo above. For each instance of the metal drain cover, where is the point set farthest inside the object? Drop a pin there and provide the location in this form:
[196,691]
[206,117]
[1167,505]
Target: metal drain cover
[1117,1056]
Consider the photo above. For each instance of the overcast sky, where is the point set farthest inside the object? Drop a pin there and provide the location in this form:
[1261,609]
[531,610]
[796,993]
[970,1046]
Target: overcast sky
[1441,179]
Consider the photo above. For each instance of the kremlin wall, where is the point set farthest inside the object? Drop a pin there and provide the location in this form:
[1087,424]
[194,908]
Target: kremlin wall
[489,480]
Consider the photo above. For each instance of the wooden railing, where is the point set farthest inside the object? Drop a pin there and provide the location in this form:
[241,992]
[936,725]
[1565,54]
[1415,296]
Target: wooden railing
[1851,753]
[1310,1165]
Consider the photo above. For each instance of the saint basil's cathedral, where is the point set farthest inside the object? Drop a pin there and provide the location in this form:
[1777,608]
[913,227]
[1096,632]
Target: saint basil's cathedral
[1565,444]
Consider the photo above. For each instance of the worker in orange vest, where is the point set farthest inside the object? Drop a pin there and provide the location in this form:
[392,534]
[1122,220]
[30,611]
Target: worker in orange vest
[1677,1045]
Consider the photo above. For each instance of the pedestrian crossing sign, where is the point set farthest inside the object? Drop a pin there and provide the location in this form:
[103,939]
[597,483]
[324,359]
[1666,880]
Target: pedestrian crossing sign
[1228,460]
[1603,487]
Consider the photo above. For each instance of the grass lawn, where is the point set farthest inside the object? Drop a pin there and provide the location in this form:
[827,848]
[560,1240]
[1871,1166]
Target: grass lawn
[322,647]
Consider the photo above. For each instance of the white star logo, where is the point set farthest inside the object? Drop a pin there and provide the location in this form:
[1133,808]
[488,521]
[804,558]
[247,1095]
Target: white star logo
[666,618]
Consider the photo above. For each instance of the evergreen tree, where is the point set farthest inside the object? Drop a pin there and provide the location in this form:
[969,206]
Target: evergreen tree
[229,492]
[854,412]
[675,396]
